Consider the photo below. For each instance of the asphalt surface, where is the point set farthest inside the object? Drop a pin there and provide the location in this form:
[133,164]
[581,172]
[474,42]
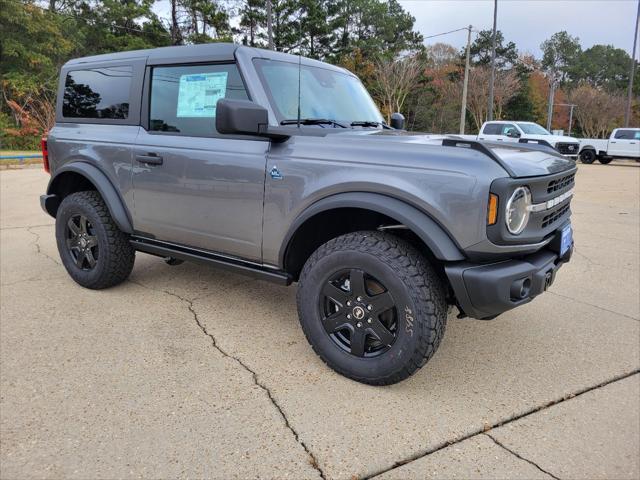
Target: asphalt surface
[187,371]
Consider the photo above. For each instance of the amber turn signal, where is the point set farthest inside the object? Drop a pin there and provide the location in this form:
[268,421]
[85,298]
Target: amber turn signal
[492,211]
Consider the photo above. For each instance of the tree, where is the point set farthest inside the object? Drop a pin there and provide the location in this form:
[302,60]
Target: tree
[441,55]
[602,66]
[505,88]
[559,54]
[597,112]
[480,50]
[395,79]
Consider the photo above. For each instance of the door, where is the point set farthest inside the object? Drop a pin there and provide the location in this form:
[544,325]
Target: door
[625,143]
[193,186]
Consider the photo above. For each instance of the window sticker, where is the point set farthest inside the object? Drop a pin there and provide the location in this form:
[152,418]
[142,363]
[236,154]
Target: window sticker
[198,94]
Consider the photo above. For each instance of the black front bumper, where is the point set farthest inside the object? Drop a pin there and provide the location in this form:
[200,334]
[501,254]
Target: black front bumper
[484,291]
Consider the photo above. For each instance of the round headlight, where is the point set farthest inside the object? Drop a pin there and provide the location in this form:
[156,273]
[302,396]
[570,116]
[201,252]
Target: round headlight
[517,215]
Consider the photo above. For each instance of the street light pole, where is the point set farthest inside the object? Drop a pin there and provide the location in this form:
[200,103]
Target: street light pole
[493,61]
[465,84]
[627,111]
[571,107]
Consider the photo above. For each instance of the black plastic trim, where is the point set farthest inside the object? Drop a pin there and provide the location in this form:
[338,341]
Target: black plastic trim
[430,232]
[163,249]
[102,183]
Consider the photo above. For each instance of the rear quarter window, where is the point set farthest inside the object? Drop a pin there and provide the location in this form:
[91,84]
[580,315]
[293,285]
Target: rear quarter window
[98,93]
[492,129]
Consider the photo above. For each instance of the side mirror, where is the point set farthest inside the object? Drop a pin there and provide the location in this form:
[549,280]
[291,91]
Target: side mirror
[397,121]
[241,117]
[513,134]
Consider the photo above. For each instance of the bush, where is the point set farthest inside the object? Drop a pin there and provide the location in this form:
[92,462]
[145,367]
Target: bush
[14,137]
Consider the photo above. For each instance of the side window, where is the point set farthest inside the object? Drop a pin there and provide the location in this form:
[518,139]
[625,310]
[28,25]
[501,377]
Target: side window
[97,93]
[507,128]
[636,135]
[627,134]
[183,98]
[492,129]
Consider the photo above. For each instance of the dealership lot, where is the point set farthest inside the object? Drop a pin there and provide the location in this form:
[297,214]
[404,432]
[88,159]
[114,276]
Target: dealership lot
[187,371]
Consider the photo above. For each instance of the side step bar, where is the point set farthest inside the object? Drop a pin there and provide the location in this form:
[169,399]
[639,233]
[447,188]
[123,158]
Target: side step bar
[162,249]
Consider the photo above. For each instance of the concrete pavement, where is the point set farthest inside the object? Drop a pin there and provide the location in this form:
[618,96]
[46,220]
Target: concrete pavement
[192,372]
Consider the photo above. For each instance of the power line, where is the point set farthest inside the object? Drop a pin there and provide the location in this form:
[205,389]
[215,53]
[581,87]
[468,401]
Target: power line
[445,33]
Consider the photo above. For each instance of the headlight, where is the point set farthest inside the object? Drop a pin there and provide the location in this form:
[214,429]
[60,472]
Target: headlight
[517,215]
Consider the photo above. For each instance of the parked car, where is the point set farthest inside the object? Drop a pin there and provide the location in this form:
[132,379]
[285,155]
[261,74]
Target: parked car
[623,143]
[528,132]
[283,168]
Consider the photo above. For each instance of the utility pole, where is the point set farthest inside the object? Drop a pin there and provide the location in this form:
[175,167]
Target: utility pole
[269,25]
[465,84]
[627,111]
[493,62]
[552,94]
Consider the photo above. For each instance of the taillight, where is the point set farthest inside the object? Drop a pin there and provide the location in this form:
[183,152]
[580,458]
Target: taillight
[45,155]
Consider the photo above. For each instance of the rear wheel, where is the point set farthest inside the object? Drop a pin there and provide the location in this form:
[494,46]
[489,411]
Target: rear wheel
[94,251]
[587,156]
[604,160]
[371,307]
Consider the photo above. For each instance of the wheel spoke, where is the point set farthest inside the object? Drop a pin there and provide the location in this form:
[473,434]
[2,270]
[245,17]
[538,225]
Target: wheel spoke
[90,258]
[381,332]
[72,243]
[92,241]
[358,338]
[83,224]
[335,322]
[356,283]
[75,229]
[80,259]
[335,293]
[381,303]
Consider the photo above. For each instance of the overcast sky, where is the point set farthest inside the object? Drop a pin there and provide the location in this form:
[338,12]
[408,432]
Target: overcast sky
[529,22]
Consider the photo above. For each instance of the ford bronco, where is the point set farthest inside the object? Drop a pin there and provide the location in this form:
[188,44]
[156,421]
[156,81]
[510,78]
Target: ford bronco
[282,167]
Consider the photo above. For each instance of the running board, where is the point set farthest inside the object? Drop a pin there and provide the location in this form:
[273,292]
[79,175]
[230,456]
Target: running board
[162,249]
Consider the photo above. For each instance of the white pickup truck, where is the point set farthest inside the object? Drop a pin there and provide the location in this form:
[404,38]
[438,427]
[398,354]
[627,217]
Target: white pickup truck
[623,143]
[526,132]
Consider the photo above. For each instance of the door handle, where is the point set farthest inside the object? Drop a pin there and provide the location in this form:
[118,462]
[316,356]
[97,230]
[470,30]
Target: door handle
[149,159]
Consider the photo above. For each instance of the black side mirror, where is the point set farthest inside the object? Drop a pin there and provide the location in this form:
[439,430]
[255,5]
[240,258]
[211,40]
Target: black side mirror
[513,134]
[397,121]
[240,117]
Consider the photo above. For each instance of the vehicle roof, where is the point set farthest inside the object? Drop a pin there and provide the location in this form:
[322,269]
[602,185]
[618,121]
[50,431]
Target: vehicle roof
[206,52]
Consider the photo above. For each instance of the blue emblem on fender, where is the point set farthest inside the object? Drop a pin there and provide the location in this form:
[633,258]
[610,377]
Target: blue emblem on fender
[275,173]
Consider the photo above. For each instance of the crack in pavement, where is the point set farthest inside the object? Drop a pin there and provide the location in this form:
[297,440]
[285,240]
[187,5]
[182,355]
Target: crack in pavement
[26,227]
[521,457]
[36,242]
[501,423]
[594,306]
[189,302]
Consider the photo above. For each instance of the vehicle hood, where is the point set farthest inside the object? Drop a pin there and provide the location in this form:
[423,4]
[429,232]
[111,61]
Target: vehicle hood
[553,139]
[518,159]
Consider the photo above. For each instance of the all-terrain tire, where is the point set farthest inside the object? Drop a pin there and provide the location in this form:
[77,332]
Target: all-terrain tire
[114,254]
[418,297]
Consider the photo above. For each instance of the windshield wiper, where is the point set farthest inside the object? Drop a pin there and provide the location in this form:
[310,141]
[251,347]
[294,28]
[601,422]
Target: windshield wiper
[312,121]
[369,123]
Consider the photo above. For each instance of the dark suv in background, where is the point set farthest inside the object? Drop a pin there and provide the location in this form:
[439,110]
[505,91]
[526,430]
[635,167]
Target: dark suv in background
[282,167]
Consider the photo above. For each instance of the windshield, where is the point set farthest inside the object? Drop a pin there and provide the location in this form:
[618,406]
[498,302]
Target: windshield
[533,129]
[324,93]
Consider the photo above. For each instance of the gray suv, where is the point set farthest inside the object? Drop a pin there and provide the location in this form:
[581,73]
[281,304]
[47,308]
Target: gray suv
[283,168]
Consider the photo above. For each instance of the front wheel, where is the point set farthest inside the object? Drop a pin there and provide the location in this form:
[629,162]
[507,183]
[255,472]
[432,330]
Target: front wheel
[587,156]
[94,251]
[371,307]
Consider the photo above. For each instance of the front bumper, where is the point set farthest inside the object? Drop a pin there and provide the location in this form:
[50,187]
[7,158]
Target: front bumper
[484,291]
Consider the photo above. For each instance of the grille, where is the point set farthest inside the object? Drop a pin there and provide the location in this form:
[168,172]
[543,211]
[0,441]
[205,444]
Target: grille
[568,148]
[560,183]
[553,217]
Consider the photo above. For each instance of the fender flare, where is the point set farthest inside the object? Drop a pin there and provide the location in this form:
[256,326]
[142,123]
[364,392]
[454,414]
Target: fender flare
[427,229]
[103,185]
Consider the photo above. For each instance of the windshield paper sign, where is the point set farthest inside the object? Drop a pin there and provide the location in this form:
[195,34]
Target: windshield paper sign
[199,93]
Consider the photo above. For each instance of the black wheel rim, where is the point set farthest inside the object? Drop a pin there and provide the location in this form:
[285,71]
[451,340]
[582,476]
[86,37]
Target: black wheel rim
[82,242]
[358,313]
